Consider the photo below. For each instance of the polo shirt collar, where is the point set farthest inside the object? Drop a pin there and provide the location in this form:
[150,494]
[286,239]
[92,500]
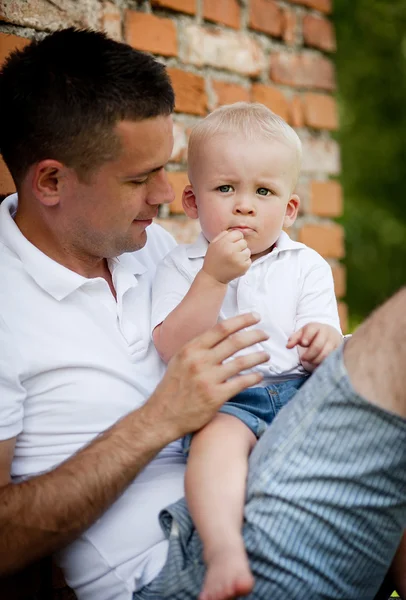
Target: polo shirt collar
[52,277]
[199,248]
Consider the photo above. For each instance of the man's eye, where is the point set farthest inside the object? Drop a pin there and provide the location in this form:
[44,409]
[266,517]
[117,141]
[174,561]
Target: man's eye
[263,191]
[224,188]
[139,181]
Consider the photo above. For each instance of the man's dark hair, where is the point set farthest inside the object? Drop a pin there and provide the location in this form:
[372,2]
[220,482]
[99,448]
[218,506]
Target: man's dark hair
[61,97]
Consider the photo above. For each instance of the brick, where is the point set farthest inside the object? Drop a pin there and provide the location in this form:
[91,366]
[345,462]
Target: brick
[326,198]
[321,5]
[150,33]
[9,43]
[178,180]
[185,6]
[266,16]
[226,12]
[343,314]
[111,21]
[48,16]
[272,98]
[6,181]
[221,49]
[296,116]
[339,276]
[302,70]
[327,240]
[184,230]
[319,32]
[179,152]
[320,111]
[228,93]
[190,92]
[321,156]
[290,26]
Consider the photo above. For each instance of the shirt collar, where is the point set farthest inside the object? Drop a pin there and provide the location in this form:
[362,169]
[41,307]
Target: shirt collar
[199,248]
[52,277]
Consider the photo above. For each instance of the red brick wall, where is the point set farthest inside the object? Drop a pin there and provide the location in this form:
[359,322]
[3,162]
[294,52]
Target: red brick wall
[222,51]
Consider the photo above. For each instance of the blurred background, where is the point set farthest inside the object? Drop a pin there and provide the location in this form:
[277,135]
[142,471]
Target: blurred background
[371,75]
[334,69]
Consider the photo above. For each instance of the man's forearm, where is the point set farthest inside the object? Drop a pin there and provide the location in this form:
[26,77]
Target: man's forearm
[46,512]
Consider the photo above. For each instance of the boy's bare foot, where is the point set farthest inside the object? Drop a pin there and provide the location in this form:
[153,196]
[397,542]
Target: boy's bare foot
[228,575]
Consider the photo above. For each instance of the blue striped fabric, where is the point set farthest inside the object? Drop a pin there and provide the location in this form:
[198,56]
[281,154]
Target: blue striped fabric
[326,501]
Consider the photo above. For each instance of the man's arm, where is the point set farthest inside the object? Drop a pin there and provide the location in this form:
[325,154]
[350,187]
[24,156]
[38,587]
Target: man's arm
[46,512]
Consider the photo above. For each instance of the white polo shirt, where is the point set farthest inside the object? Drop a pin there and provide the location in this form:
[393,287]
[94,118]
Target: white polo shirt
[73,362]
[289,287]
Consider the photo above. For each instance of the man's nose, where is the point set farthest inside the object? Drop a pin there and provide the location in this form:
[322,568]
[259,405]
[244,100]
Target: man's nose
[160,190]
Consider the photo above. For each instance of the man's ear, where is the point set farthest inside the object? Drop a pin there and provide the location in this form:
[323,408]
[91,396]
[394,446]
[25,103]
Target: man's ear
[189,202]
[48,179]
[292,209]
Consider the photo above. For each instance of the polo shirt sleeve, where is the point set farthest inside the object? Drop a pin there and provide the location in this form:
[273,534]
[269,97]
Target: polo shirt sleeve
[12,392]
[317,302]
[171,284]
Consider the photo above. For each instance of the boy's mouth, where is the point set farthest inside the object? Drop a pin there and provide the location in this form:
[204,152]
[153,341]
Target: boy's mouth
[243,228]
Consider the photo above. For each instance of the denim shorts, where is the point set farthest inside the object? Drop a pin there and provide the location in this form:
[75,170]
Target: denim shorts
[258,406]
[326,501]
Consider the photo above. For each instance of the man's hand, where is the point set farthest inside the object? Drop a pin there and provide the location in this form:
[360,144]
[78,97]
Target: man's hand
[227,257]
[316,341]
[198,380]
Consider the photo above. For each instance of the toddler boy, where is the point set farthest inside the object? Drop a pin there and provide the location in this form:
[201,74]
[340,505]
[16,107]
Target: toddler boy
[244,162]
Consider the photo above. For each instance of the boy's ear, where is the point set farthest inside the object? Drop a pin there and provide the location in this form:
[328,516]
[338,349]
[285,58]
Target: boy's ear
[189,202]
[292,209]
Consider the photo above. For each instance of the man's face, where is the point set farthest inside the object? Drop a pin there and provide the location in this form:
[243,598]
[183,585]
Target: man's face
[109,214]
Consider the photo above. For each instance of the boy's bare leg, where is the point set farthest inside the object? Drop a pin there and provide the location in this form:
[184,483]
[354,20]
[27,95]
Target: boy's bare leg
[215,492]
[375,357]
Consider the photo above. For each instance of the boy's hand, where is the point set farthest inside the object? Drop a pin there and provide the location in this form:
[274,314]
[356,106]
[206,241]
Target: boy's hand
[316,341]
[227,257]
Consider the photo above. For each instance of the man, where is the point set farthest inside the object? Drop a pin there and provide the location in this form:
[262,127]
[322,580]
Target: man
[89,456]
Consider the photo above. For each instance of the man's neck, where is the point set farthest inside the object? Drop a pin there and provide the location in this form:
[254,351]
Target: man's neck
[35,230]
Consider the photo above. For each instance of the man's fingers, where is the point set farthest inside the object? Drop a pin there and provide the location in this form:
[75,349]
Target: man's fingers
[236,342]
[242,363]
[238,384]
[224,329]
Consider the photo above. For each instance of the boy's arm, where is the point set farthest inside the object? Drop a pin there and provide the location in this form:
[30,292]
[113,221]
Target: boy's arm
[197,312]
[317,331]
[227,257]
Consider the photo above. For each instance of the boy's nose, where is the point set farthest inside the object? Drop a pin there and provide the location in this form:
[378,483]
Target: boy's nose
[244,207]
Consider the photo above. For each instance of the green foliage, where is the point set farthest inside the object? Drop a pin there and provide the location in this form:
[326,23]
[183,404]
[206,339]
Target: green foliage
[371,71]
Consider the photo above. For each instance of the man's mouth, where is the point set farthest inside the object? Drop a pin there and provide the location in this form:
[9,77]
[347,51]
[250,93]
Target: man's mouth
[144,219]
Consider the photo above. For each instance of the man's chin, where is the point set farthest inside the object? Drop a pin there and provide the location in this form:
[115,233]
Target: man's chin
[132,245]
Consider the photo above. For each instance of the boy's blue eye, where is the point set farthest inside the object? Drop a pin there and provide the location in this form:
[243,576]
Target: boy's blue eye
[224,188]
[263,191]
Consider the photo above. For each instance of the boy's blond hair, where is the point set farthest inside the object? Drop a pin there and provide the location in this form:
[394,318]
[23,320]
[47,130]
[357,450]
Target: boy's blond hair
[251,120]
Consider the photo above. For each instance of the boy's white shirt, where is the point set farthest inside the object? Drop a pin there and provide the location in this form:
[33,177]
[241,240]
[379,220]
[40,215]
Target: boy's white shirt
[289,287]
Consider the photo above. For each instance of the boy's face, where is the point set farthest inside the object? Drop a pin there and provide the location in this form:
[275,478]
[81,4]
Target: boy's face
[245,185]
